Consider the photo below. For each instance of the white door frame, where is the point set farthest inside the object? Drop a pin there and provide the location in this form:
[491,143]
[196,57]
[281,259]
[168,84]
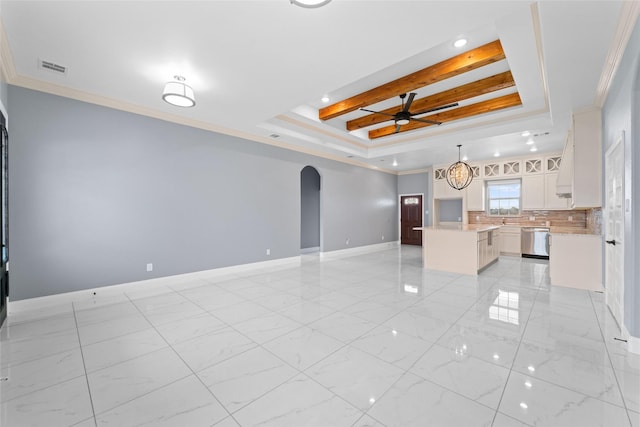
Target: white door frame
[619,315]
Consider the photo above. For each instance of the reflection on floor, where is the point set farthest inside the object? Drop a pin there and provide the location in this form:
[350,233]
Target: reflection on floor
[368,340]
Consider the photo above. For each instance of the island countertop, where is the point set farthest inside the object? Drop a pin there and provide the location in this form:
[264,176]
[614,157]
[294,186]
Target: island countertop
[476,228]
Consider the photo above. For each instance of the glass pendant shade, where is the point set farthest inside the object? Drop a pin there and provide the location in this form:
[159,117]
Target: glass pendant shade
[309,3]
[179,94]
[459,175]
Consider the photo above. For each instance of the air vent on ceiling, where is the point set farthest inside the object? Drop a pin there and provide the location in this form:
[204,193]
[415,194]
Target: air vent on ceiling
[52,66]
[274,135]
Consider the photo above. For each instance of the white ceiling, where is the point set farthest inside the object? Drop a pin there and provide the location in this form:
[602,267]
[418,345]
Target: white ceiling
[260,67]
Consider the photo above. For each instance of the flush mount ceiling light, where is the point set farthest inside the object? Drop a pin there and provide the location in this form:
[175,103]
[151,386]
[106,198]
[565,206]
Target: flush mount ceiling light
[178,93]
[310,4]
[459,174]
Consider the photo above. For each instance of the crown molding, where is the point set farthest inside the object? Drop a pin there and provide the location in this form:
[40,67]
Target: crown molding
[628,17]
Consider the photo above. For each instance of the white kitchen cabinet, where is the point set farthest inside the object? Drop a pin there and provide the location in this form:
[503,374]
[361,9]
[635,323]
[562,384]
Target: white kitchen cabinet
[488,247]
[442,190]
[575,261]
[533,192]
[510,239]
[581,168]
[551,199]
[475,195]
[587,160]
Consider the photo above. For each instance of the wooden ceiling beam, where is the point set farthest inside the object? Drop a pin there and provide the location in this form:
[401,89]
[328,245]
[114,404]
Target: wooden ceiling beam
[506,101]
[467,91]
[467,61]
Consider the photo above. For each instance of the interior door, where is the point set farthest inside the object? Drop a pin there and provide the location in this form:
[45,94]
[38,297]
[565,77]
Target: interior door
[410,216]
[4,226]
[614,230]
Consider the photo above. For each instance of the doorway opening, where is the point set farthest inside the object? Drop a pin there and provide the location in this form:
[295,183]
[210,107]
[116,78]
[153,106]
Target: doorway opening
[309,210]
[411,215]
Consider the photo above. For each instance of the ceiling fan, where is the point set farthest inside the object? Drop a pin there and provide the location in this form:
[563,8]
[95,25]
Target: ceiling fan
[404,116]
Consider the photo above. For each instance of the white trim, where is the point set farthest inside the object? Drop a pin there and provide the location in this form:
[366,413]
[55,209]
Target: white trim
[310,250]
[119,289]
[629,13]
[360,250]
[537,30]
[416,171]
[633,343]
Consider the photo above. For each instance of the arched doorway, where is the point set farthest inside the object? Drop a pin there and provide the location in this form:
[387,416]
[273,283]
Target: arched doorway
[309,210]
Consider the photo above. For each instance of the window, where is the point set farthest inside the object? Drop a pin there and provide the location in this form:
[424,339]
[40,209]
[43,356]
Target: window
[411,201]
[503,197]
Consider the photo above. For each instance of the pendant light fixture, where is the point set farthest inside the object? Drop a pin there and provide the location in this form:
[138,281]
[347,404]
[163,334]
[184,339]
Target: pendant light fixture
[459,175]
[178,93]
[309,4]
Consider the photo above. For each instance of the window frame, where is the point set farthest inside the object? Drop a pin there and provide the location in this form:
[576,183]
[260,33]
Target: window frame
[488,198]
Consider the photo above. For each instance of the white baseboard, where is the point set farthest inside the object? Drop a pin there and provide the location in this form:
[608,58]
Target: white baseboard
[633,343]
[149,284]
[310,250]
[359,250]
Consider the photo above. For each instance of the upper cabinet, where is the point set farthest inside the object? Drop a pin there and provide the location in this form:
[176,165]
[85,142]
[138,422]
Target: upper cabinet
[580,172]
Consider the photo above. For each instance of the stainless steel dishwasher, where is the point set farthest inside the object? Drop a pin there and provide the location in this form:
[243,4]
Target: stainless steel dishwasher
[535,242]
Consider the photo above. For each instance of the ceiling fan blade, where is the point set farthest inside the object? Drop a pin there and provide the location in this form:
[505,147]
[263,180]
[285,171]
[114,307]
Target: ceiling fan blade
[431,122]
[377,112]
[409,101]
[397,129]
[435,109]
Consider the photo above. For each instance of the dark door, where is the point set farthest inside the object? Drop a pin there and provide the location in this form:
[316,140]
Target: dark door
[410,216]
[4,226]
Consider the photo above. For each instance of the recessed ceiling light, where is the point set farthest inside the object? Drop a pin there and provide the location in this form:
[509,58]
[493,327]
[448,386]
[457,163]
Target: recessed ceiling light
[533,149]
[530,141]
[465,158]
[325,99]
[309,3]
[395,162]
[526,133]
[528,384]
[496,154]
[531,368]
[460,42]
[523,405]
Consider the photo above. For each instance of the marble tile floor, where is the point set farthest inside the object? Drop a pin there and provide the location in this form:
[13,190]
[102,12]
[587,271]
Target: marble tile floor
[366,340]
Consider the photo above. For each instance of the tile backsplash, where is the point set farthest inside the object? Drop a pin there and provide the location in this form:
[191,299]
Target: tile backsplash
[572,218]
[594,220]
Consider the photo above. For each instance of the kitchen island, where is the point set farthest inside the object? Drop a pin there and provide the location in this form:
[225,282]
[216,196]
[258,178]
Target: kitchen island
[465,249]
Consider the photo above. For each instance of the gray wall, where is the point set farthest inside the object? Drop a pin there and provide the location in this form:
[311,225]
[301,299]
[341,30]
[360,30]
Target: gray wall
[97,193]
[418,183]
[621,112]
[450,210]
[310,208]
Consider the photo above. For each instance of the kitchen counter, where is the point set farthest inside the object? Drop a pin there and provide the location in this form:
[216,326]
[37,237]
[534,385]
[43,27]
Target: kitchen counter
[572,230]
[464,248]
[575,260]
[476,228]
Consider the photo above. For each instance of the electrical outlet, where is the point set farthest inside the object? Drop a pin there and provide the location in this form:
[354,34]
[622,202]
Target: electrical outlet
[150,267]
[268,251]
[347,242]
[382,237]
